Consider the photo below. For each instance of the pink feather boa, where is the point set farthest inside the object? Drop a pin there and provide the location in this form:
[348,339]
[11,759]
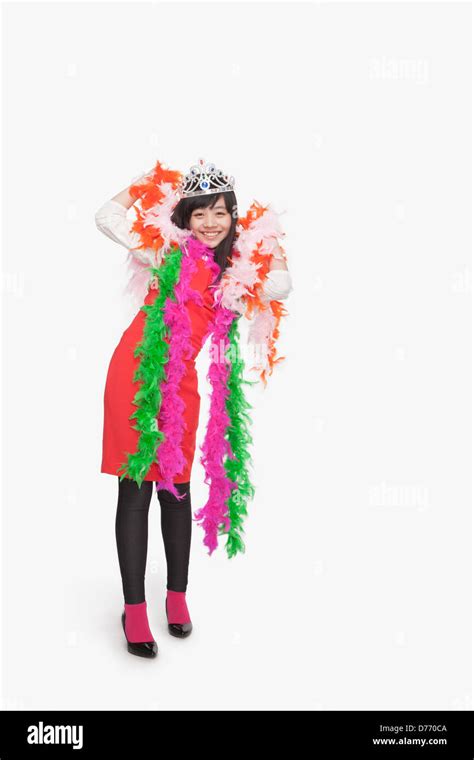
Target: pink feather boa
[216,446]
[171,419]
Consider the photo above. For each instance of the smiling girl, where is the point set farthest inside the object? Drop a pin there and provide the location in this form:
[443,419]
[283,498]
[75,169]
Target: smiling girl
[193,256]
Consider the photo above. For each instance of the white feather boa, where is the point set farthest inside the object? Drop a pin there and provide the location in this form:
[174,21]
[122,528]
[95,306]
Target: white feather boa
[241,281]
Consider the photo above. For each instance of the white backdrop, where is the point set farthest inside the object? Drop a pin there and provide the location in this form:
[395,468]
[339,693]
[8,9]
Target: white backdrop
[354,119]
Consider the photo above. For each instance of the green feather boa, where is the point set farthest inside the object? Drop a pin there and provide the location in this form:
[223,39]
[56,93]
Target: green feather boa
[154,352]
[239,436]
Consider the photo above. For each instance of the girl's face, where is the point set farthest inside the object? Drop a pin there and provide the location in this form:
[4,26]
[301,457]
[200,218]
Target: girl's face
[211,225]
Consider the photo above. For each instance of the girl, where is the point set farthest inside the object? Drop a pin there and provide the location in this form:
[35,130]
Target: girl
[201,234]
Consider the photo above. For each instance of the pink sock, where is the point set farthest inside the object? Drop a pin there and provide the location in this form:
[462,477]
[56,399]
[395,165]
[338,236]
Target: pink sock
[136,623]
[176,607]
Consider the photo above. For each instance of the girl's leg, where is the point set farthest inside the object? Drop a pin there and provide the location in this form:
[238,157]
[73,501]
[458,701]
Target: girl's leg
[176,525]
[131,532]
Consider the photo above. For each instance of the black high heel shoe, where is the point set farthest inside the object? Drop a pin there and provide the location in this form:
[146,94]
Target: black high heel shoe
[141,648]
[181,630]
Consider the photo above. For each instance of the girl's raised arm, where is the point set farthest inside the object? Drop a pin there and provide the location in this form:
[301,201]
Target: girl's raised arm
[111,219]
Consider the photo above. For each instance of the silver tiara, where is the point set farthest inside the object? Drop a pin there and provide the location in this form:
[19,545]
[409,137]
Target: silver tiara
[204,179]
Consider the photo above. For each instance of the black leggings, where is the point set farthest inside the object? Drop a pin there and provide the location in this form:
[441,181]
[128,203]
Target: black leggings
[131,532]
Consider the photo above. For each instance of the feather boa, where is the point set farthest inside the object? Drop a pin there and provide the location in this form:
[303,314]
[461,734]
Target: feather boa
[216,447]
[153,350]
[171,420]
[225,450]
[243,281]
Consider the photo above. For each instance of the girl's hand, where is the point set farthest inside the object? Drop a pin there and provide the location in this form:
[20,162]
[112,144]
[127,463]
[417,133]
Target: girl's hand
[154,283]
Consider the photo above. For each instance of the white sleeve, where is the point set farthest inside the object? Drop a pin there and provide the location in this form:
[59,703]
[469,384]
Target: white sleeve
[277,285]
[277,253]
[111,219]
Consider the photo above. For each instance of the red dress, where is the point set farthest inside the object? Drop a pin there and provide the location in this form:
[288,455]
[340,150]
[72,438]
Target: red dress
[119,437]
